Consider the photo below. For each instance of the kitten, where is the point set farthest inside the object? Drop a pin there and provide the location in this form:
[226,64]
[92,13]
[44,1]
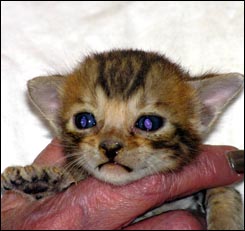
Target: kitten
[126,114]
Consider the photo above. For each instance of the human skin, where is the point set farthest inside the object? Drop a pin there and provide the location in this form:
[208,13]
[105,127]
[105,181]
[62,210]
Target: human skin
[92,204]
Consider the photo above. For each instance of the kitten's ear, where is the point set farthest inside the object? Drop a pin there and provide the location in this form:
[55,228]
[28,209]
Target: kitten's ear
[44,93]
[215,91]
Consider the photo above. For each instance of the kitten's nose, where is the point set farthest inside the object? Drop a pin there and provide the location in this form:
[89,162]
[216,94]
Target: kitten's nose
[111,148]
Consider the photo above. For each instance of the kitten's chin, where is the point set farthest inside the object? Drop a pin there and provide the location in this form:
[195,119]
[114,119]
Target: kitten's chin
[114,169]
[116,174]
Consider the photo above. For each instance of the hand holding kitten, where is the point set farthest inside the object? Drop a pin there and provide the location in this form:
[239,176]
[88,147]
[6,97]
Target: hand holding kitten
[92,204]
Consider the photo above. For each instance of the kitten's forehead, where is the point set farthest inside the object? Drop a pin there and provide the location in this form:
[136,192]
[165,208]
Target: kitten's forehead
[122,73]
[127,79]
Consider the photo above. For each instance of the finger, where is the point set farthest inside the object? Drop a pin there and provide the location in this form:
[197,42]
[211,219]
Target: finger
[13,206]
[51,155]
[11,200]
[210,169]
[174,220]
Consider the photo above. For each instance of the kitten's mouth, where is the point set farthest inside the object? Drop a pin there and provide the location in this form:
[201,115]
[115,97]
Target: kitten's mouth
[114,166]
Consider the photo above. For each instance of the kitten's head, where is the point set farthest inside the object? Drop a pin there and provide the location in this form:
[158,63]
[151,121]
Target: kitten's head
[123,115]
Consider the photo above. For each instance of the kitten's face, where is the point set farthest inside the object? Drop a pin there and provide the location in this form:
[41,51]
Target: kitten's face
[123,115]
[137,127]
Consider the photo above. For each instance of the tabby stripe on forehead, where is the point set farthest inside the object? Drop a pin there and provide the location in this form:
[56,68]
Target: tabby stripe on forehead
[139,78]
[101,78]
[127,85]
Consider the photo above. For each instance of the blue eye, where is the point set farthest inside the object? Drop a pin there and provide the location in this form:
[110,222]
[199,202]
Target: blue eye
[149,123]
[84,120]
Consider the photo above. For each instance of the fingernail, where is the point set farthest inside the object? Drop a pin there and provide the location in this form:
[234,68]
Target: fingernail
[236,160]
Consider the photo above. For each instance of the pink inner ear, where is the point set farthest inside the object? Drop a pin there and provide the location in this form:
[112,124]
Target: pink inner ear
[53,101]
[217,98]
[48,98]
[219,92]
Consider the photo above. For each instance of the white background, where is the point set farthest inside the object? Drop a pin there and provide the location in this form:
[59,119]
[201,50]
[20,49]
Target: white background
[39,38]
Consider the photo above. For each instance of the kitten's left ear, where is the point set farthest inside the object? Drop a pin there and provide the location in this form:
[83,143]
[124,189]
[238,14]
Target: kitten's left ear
[215,91]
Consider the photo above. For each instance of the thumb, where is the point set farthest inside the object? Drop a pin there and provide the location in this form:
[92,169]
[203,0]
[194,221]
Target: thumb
[52,155]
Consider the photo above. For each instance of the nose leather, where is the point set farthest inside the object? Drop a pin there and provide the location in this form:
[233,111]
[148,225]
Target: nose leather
[111,148]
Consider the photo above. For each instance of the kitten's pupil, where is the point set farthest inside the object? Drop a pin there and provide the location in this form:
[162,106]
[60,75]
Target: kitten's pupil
[149,123]
[84,120]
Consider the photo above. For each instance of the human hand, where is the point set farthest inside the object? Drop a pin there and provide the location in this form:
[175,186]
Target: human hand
[92,204]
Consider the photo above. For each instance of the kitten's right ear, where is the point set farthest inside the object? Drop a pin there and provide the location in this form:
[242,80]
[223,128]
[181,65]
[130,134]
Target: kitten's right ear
[44,93]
